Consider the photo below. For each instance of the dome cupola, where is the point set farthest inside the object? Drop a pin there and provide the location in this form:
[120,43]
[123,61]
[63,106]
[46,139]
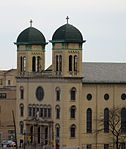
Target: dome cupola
[68,34]
[31,36]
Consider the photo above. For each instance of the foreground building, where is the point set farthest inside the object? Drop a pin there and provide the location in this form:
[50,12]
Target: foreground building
[60,106]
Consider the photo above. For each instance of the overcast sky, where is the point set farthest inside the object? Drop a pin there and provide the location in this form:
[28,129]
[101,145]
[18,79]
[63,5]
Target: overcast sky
[101,22]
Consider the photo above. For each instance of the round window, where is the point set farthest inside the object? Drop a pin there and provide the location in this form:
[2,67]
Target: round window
[39,93]
[123,96]
[89,96]
[106,96]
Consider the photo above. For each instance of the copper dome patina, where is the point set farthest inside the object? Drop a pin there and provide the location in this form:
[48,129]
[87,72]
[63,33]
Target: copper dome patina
[67,33]
[31,36]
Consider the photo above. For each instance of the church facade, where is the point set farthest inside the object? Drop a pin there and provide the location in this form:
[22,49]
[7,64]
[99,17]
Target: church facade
[60,106]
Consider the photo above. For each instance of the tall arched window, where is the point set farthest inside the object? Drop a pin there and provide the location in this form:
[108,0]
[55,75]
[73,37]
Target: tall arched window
[21,92]
[75,63]
[57,63]
[57,130]
[49,111]
[60,62]
[123,120]
[73,94]
[33,63]
[70,63]
[106,120]
[72,131]
[21,127]
[38,63]
[57,112]
[30,110]
[21,110]
[72,112]
[31,133]
[41,112]
[89,120]
[57,94]
[21,63]
[24,58]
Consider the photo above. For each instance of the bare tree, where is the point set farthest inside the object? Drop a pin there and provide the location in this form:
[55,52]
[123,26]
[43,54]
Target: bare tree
[113,124]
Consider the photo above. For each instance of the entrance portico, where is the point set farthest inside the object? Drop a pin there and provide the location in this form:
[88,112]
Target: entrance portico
[39,131]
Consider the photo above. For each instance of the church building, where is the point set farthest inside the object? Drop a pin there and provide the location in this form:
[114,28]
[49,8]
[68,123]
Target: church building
[60,106]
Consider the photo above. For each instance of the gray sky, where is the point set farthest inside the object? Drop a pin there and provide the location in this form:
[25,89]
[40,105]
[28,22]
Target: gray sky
[101,22]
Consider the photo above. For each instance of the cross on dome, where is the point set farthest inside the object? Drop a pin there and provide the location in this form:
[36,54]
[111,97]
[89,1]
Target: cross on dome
[67,18]
[31,23]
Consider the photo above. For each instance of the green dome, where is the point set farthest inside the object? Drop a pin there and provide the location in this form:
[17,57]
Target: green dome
[67,33]
[31,36]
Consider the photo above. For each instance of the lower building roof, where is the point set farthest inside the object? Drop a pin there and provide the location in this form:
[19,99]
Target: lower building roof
[103,72]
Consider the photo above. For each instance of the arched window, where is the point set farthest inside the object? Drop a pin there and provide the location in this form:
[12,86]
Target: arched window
[49,111]
[70,63]
[38,63]
[21,63]
[89,120]
[41,112]
[57,94]
[57,112]
[60,62]
[33,63]
[106,120]
[21,127]
[57,130]
[45,112]
[33,112]
[21,110]
[73,94]
[31,133]
[57,63]
[24,58]
[21,92]
[30,110]
[72,112]
[75,63]
[123,120]
[72,131]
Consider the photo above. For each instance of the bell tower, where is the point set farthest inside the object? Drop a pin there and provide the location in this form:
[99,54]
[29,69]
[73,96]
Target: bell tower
[67,44]
[30,51]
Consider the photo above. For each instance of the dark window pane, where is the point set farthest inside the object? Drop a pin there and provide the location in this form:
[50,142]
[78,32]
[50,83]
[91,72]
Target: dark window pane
[123,96]
[30,111]
[33,63]
[41,112]
[33,111]
[70,63]
[106,120]
[89,96]
[75,63]
[22,93]
[89,120]
[57,113]
[60,60]
[106,146]
[49,113]
[72,131]
[106,96]
[73,112]
[123,120]
[58,95]
[45,112]
[22,110]
[88,146]
[2,95]
[56,62]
